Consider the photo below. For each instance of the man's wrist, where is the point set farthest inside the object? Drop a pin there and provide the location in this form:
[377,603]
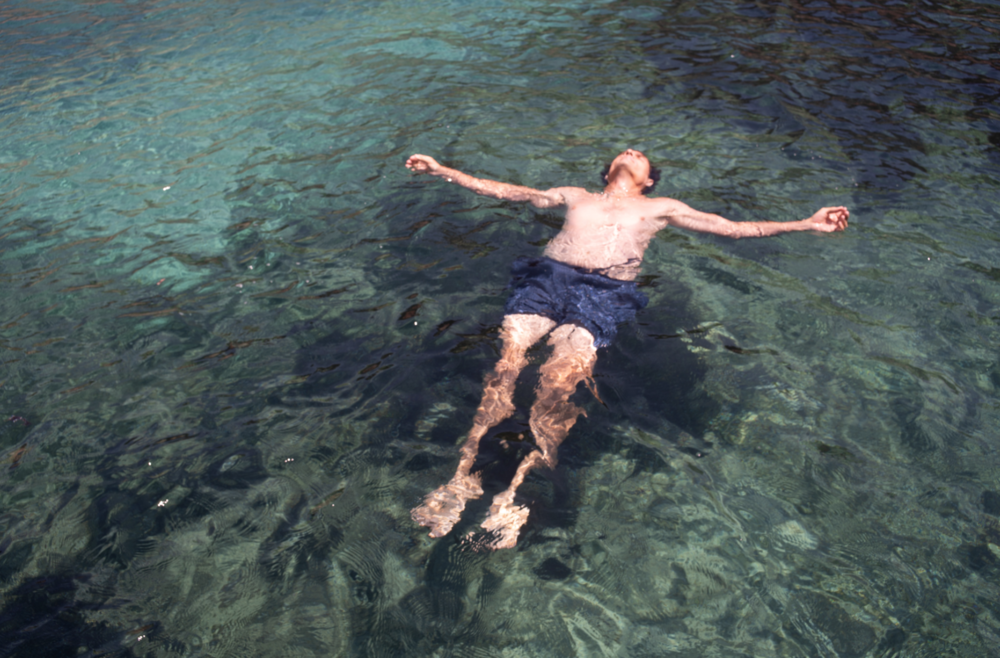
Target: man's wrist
[447,173]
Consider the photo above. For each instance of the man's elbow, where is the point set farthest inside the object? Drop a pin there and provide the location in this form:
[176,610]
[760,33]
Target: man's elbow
[715,225]
[731,230]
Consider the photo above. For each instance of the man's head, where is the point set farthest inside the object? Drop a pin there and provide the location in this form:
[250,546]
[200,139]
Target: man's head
[634,167]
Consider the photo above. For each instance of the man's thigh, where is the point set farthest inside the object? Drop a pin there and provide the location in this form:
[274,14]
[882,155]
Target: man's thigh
[572,339]
[525,329]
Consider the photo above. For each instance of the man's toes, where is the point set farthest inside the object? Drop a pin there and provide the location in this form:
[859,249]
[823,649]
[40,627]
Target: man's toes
[440,524]
[440,530]
[505,522]
[442,507]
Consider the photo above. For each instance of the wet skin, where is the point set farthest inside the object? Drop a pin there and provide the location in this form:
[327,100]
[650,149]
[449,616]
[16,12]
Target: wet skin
[606,231]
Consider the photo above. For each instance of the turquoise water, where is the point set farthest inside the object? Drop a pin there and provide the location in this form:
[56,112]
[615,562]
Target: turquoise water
[240,341]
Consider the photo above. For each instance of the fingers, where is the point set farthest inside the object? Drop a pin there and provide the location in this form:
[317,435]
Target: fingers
[839,217]
[421,163]
[415,163]
[833,218]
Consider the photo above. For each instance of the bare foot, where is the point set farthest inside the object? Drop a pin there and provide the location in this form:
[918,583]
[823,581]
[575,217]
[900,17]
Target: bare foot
[443,507]
[505,520]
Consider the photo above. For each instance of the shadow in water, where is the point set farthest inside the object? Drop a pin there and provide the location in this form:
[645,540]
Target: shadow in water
[43,618]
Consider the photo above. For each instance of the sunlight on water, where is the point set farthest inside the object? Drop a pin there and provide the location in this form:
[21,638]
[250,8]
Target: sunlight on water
[240,341]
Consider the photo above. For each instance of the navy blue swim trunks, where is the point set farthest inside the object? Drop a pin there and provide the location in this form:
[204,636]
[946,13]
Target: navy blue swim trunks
[573,295]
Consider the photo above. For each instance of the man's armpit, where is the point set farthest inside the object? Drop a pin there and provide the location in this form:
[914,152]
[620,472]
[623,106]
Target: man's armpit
[567,195]
[550,198]
[672,211]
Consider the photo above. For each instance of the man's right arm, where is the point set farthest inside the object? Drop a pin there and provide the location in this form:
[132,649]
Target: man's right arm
[424,164]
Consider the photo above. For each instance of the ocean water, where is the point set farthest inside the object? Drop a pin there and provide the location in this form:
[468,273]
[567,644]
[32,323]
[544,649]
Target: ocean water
[240,341]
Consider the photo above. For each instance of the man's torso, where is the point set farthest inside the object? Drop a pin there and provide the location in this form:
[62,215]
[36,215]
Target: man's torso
[606,233]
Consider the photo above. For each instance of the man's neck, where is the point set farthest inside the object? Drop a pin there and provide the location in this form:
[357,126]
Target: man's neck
[622,191]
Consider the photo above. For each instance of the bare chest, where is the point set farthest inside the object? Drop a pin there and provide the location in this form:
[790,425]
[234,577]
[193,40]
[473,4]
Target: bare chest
[599,215]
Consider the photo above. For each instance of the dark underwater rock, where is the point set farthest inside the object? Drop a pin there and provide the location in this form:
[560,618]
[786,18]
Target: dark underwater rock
[553,569]
[991,502]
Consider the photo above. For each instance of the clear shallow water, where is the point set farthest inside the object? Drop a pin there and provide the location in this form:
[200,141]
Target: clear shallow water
[240,341]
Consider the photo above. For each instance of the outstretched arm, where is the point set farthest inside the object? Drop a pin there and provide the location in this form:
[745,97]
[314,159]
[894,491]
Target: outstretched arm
[679,214]
[424,164]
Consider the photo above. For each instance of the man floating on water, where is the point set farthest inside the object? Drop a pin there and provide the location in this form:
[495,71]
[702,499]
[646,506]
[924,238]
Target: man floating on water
[576,293]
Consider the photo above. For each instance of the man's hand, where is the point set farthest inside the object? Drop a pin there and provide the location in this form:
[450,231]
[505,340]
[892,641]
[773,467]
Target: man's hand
[829,220]
[423,164]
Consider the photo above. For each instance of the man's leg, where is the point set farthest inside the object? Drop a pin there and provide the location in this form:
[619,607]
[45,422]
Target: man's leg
[552,416]
[443,506]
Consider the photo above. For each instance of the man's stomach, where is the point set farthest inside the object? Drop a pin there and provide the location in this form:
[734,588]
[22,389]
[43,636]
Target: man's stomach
[621,266]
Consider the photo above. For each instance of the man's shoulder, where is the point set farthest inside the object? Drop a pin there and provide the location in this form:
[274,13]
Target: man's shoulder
[568,196]
[660,199]
[571,191]
[663,204]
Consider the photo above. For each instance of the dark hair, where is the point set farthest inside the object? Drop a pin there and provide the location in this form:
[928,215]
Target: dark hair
[654,175]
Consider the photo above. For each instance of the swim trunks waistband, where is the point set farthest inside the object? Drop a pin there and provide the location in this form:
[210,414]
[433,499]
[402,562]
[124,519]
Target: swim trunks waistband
[573,295]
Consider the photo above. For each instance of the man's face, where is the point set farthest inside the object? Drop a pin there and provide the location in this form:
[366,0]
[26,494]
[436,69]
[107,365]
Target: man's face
[635,163]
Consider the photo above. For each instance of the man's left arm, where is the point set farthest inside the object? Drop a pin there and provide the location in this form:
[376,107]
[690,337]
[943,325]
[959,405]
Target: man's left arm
[681,215]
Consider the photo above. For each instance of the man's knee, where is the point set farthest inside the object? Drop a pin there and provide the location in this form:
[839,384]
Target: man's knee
[573,357]
[540,458]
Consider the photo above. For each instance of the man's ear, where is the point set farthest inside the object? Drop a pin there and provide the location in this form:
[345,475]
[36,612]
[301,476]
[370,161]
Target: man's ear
[650,182]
